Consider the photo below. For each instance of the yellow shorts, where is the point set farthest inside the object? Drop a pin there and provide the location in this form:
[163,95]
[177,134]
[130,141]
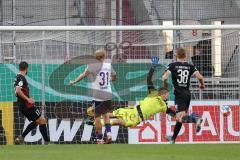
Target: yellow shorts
[128,115]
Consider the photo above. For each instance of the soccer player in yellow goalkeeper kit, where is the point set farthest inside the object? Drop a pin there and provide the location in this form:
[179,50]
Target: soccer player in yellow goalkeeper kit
[155,102]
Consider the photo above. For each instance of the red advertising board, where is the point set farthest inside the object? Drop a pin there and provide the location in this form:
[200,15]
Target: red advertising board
[215,127]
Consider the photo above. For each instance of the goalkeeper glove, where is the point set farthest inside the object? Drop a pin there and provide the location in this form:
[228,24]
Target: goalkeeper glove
[155,62]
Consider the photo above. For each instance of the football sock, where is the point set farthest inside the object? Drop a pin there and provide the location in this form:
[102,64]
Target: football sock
[171,112]
[108,128]
[30,127]
[177,129]
[193,118]
[43,130]
[99,136]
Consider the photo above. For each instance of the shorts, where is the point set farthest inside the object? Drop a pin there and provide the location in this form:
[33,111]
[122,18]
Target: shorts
[128,115]
[32,113]
[182,101]
[102,107]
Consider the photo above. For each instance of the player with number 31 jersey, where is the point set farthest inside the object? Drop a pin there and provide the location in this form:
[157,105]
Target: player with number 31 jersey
[100,74]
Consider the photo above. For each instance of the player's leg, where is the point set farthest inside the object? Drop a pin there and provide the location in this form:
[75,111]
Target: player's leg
[107,108]
[182,107]
[192,118]
[113,114]
[171,112]
[122,117]
[106,119]
[118,122]
[98,127]
[178,125]
[41,121]
[113,122]
[125,117]
[27,113]
[183,103]
[98,111]
[29,128]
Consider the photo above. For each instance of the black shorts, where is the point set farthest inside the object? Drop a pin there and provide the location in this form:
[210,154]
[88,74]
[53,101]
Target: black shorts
[102,107]
[32,113]
[182,100]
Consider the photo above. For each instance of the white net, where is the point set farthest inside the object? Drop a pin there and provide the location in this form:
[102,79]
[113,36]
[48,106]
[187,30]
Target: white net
[57,57]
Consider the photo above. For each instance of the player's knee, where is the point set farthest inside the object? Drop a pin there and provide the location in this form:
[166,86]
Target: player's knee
[98,122]
[41,120]
[122,123]
[179,116]
[98,127]
[97,119]
[106,118]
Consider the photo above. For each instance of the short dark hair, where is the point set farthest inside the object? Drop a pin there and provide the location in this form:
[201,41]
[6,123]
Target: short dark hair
[23,66]
[181,53]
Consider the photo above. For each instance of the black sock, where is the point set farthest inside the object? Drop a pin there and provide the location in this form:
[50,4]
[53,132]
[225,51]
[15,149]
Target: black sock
[190,119]
[171,112]
[43,130]
[177,129]
[187,119]
[30,127]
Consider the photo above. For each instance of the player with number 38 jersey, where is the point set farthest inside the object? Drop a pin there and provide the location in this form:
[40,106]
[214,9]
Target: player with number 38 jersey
[181,72]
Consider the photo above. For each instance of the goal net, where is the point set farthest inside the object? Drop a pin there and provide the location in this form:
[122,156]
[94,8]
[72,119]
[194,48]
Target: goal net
[56,57]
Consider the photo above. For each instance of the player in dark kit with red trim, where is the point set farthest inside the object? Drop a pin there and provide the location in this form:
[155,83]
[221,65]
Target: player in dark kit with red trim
[26,105]
[181,72]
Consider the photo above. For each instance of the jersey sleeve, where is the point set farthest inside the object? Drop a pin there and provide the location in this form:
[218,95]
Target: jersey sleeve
[19,82]
[89,68]
[149,80]
[170,67]
[193,69]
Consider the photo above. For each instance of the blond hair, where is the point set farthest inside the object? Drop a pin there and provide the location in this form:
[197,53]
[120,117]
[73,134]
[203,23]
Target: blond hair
[180,52]
[163,90]
[100,54]
[90,111]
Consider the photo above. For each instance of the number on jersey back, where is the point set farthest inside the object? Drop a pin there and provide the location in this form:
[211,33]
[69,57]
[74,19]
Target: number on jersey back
[100,76]
[181,74]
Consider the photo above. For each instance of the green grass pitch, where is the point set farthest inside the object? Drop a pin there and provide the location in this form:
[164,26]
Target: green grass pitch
[122,152]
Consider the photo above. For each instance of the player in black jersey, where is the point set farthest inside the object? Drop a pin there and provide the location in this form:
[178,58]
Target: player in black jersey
[181,72]
[26,105]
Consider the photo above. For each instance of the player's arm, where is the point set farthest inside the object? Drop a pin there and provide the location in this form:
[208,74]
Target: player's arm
[18,84]
[198,75]
[165,77]
[149,79]
[20,93]
[113,75]
[150,73]
[80,77]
